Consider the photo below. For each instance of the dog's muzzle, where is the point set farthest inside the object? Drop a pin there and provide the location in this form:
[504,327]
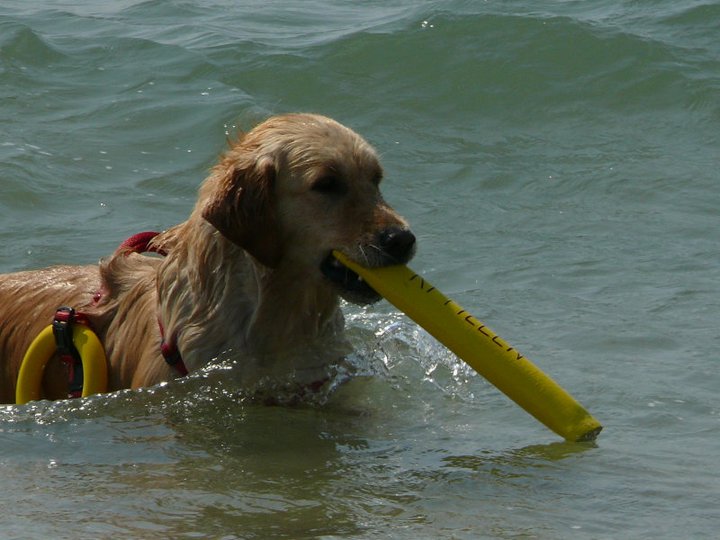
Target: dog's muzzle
[391,246]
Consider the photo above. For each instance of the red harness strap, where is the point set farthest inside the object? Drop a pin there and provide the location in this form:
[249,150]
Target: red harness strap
[171,354]
[62,325]
[140,243]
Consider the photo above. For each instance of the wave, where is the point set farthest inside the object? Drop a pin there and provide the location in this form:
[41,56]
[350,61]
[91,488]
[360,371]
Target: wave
[21,46]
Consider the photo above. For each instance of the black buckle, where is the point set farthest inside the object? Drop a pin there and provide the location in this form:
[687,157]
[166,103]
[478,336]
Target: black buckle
[62,331]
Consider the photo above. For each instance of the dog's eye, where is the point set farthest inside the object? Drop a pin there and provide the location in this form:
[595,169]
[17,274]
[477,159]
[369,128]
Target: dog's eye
[329,185]
[378,176]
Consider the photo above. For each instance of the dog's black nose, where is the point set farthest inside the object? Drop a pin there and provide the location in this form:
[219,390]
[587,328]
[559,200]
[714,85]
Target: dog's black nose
[397,243]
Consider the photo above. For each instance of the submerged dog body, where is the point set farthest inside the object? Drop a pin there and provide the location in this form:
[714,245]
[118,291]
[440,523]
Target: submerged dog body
[250,271]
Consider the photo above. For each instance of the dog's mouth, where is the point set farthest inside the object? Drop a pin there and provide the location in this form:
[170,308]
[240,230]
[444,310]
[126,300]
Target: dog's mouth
[350,285]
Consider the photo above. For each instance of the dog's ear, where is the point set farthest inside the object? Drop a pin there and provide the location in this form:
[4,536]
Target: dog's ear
[242,207]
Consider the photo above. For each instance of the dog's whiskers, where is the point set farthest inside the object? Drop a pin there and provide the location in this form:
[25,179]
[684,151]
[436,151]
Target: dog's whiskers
[364,256]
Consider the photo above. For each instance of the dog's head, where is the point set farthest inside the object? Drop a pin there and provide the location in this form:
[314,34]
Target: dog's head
[296,188]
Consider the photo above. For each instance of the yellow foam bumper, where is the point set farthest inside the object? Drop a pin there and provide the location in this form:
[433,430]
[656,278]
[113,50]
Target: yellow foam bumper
[487,353]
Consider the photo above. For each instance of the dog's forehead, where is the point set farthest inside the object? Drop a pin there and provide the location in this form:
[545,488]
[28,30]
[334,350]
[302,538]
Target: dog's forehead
[331,146]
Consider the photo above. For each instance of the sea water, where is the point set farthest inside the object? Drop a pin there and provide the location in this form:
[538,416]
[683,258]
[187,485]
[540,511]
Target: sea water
[558,162]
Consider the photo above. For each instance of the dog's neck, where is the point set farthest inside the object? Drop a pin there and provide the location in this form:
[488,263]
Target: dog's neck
[206,281]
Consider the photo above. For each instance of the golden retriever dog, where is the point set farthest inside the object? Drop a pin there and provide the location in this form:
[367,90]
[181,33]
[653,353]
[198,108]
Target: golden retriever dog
[251,271]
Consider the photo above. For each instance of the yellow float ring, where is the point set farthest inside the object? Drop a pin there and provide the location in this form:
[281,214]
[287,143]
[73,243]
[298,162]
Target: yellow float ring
[43,348]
